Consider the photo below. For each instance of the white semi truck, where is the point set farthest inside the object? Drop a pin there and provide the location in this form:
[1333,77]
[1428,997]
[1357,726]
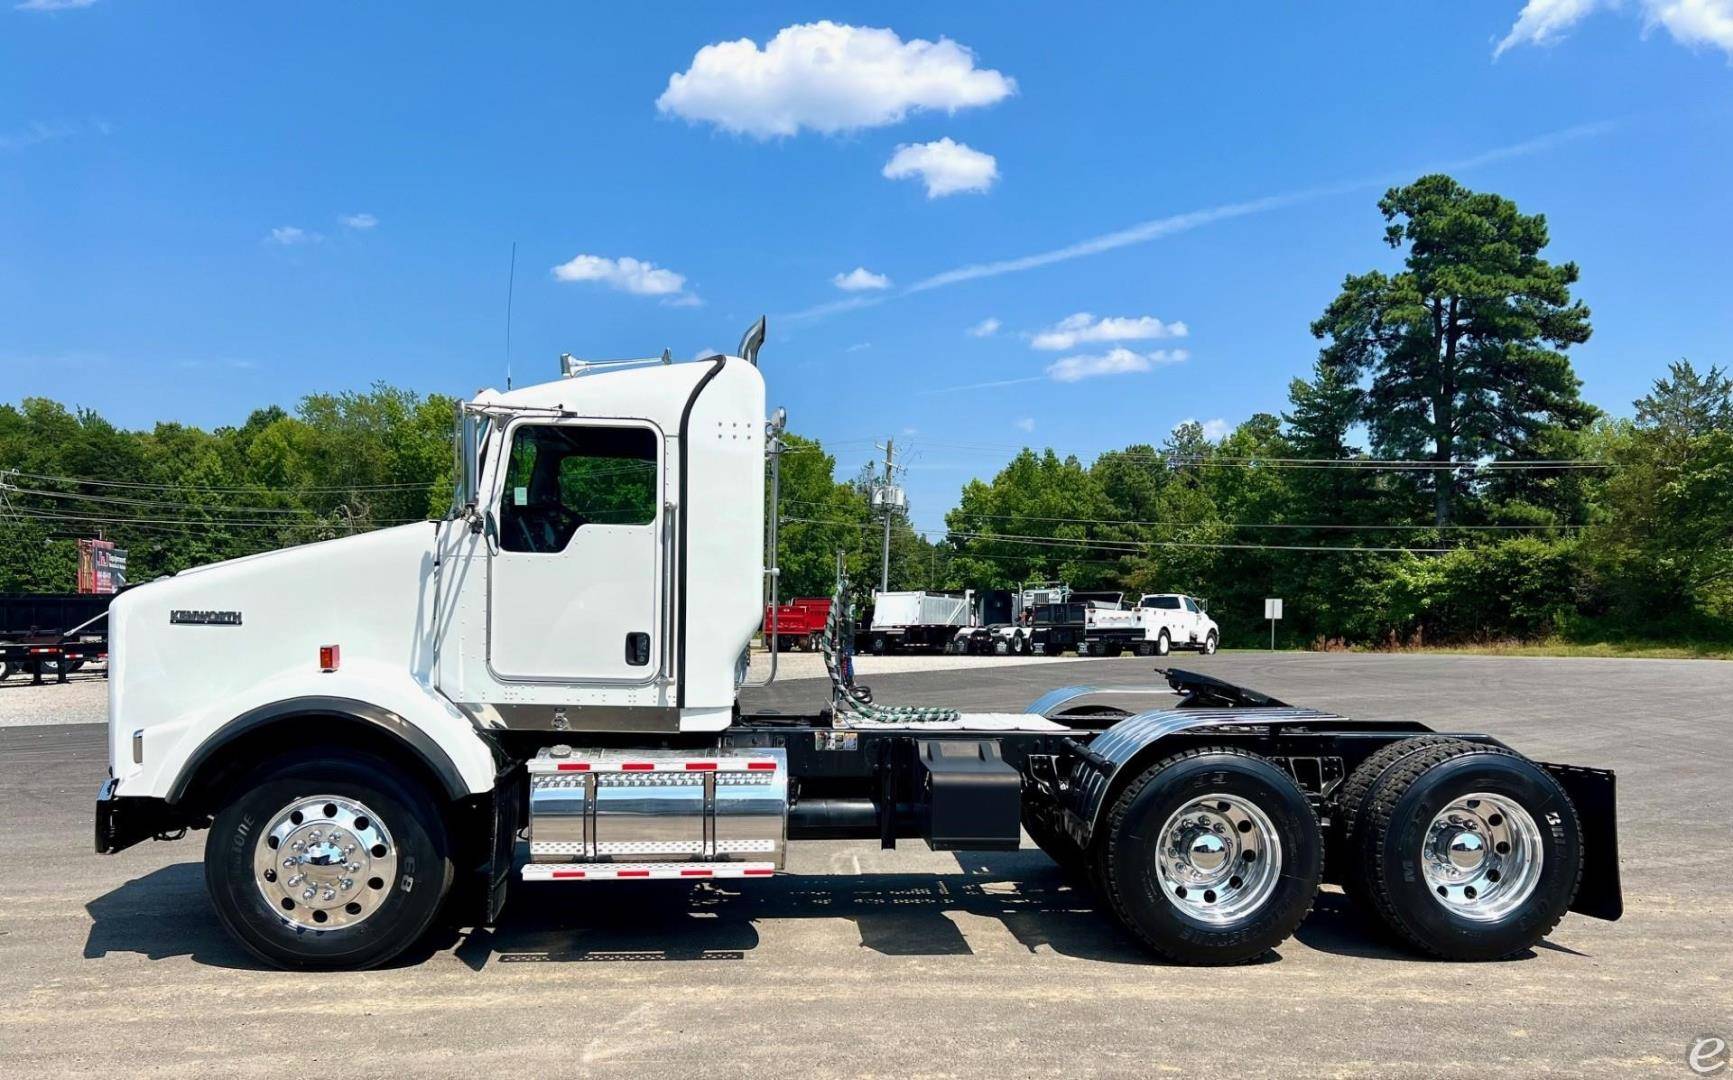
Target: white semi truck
[384,731]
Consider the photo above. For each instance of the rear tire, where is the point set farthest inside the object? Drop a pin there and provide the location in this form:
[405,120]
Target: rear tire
[878,645]
[397,881]
[1212,856]
[1163,644]
[1469,852]
[1348,835]
[1043,827]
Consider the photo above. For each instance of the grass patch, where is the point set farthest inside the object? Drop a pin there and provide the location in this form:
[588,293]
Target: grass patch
[1608,649]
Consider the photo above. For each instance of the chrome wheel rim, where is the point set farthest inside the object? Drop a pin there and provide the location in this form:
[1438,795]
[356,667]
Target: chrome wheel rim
[1481,856]
[325,862]
[1219,858]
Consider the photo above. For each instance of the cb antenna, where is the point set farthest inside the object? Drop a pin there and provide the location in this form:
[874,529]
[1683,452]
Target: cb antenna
[510,284]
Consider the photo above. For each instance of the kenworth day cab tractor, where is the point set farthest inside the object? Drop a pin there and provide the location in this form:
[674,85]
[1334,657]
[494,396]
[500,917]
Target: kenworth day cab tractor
[368,727]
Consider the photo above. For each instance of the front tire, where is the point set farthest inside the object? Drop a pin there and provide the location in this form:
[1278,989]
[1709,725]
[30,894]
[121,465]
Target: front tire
[328,860]
[1209,643]
[1212,856]
[1469,852]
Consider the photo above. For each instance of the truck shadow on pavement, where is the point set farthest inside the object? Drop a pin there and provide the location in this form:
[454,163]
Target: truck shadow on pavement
[165,914]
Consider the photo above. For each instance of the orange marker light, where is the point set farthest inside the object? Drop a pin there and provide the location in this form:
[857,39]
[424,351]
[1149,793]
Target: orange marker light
[329,657]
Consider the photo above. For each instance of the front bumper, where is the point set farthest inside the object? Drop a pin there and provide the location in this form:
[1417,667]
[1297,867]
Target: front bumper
[122,822]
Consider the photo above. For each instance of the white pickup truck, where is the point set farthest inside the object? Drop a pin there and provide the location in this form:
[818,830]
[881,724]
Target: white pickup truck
[1160,623]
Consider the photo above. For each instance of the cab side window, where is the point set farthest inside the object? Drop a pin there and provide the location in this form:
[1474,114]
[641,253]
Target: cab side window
[562,477]
[1190,604]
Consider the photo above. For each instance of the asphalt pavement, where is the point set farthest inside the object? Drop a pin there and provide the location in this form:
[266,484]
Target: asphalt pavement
[911,963]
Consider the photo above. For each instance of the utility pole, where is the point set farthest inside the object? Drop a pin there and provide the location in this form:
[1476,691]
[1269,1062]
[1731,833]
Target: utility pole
[888,496]
[885,499]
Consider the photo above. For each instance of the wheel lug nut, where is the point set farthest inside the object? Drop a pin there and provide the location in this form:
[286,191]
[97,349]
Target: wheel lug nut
[308,894]
[346,883]
[328,894]
[354,868]
[296,880]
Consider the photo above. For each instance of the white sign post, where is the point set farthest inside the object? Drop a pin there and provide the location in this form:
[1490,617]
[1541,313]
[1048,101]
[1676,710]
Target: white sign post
[1272,612]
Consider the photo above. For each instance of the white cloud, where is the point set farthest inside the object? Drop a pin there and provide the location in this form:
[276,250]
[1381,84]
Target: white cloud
[860,279]
[1026,424]
[52,5]
[1212,429]
[39,132]
[1689,22]
[946,167]
[1160,228]
[859,346]
[985,328]
[292,235]
[827,77]
[1083,327]
[358,221]
[1117,361]
[626,274]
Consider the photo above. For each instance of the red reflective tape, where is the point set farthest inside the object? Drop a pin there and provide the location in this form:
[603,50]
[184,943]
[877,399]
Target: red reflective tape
[636,766]
[574,766]
[633,873]
[567,873]
[695,873]
[761,766]
[759,873]
[700,766]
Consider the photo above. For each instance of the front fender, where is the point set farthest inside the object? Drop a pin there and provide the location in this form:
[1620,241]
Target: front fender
[386,699]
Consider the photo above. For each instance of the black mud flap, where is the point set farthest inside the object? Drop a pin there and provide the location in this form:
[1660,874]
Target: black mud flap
[502,853]
[1593,792]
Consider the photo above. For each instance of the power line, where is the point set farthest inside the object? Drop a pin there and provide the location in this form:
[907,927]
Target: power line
[970,514]
[1216,460]
[256,490]
[1133,547]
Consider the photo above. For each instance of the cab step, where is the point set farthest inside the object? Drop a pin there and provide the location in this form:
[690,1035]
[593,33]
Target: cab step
[667,871]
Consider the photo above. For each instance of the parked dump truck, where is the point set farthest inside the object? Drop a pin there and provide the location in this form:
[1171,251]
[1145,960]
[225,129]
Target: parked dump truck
[53,634]
[926,621]
[796,624]
[365,727]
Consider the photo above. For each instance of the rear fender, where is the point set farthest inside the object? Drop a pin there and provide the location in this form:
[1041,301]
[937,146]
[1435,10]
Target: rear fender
[1117,754]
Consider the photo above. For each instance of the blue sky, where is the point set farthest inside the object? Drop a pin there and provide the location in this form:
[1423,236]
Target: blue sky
[205,208]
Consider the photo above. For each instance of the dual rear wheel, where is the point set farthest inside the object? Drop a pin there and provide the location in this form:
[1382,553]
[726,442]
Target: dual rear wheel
[1465,851]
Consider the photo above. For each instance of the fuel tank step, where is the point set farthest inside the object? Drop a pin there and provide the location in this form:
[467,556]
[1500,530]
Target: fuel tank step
[645,871]
[656,808]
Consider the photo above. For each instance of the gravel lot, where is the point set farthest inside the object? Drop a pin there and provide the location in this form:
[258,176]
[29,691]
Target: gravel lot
[83,699]
[909,962]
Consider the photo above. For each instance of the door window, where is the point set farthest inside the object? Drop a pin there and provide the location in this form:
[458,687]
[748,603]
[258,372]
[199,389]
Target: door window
[562,477]
[1191,605]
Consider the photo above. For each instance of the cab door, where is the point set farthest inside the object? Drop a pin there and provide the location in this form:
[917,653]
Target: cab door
[577,588]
